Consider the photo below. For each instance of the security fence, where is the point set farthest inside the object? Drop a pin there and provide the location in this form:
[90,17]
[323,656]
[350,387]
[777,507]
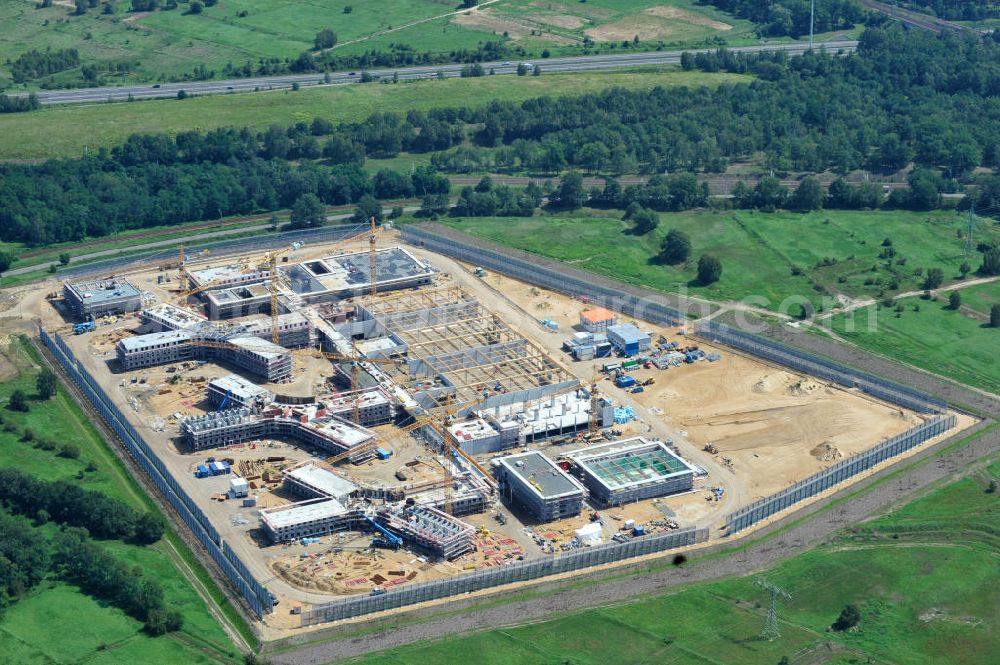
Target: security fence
[839,472]
[253,591]
[821,367]
[261,243]
[516,572]
[554,280]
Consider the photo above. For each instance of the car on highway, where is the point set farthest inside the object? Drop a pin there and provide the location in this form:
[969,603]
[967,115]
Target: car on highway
[156,86]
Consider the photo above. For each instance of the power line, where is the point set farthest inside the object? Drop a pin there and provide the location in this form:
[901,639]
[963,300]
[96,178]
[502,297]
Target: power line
[770,631]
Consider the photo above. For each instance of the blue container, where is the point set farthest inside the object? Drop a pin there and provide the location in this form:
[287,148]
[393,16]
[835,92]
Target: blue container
[382,453]
[624,381]
[639,531]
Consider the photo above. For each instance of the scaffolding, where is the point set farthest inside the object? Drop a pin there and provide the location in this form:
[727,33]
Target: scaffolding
[431,529]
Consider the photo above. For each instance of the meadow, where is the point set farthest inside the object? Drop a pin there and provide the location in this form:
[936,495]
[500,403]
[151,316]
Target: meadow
[56,131]
[56,623]
[923,578]
[169,45]
[767,256]
[928,334]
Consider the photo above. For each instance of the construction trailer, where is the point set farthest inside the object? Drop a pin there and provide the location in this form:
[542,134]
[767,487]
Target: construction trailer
[597,319]
[91,299]
[631,470]
[430,529]
[239,488]
[536,483]
[628,340]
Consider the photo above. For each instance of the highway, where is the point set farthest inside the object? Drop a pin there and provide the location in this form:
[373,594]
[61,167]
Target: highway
[567,64]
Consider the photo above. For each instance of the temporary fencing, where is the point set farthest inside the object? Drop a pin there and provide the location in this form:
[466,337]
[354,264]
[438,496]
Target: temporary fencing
[253,591]
[520,571]
[838,473]
[821,367]
[554,280]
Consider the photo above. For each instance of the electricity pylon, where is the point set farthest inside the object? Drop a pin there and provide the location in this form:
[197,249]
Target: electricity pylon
[770,632]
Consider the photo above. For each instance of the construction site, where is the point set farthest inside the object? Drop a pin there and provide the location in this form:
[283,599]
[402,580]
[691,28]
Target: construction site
[357,417]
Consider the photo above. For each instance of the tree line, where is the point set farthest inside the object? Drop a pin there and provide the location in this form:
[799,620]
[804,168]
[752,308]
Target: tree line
[954,10]
[779,18]
[27,557]
[66,503]
[34,63]
[904,98]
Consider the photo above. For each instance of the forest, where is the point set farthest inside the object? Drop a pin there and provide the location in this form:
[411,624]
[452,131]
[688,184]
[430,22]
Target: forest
[954,10]
[779,18]
[906,97]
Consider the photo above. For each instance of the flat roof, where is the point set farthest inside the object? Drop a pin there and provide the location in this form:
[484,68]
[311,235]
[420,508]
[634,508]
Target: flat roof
[472,430]
[263,347]
[627,331]
[238,386]
[140,342]
[630,462]
[174,315]
[348,272]
[541,474]
[597,314]
[238,293]
[323,481]
[227,272]
[103,290]
[297,513]
[348,434]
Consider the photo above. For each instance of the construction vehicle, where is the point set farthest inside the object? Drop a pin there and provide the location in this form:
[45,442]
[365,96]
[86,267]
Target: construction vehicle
[387,538]
[86,326]
[225,400]
[710,448]
[479,272]
[648,382]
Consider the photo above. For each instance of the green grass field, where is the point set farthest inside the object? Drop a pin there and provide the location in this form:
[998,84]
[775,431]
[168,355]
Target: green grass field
[170,44]
[958,344]
[59,625]
[757,250]
[55,132]
[923,577]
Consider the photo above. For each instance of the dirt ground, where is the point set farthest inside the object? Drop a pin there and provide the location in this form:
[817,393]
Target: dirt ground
[516,30]
[775,425]
[654,23]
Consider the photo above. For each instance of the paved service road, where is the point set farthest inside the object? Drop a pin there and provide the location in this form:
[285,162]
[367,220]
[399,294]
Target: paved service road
[568,64]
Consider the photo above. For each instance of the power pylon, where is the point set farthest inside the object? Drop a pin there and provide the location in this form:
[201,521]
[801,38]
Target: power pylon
[771,632]
[970,231]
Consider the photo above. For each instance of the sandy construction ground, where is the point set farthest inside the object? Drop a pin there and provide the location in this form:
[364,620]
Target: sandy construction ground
[777,426]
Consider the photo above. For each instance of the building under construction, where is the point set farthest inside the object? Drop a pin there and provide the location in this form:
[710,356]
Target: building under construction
[103,297]
[313,518]
[537,484]
[431,529]
[314,481]
[457,349]
[309,425]
[236,345]
[233,391]
[520,423]
[631,470]
[338,277]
